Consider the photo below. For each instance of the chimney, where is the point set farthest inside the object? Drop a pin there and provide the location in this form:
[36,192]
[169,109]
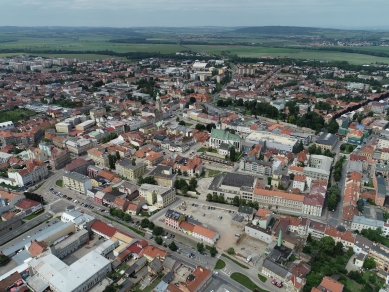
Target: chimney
[279,242]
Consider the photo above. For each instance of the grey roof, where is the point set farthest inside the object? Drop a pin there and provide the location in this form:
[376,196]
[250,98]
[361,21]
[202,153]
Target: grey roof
[380,251]
[169,263]
[363,242]
[381,185]
[275,268]
[158,171]
[238,180]
[126,285]
[246,210]
[76,176]
[173,214]
[127,163]
[327,139]
[155,265]
[168,277]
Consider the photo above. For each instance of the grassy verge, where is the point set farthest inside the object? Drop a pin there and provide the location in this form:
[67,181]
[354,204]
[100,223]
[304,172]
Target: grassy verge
[262,278]
[245,281]
[141,233]
[32,216]
[59,183]
[235,261]
[28,230]
[188,124]
[220,264]
[213,172]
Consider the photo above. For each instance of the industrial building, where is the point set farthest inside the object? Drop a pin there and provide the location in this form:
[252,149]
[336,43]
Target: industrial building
[271,140]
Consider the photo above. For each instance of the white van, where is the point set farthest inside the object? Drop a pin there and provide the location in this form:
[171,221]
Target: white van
[249,258]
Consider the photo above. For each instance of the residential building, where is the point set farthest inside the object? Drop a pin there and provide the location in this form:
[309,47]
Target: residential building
[63,127]
[77,182]
[253,165]
[158,196]
[100,157]
[329,284]
[360,222]
[193,166]
[59,158]
[125,168]
[80,146]
[279,273]
[299,182]
[79,165]
[28,207]
[380,254]
[34,172]
[164,176]
[174,218]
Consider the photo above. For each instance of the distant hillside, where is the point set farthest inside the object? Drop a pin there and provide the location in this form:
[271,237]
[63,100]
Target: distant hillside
[282,30]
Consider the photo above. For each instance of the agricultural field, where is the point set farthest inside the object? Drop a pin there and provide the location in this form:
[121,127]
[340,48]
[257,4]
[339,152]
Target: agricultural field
[244,42]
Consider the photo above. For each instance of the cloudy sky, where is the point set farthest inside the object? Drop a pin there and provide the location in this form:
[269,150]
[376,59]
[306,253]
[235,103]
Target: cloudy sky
[130,13]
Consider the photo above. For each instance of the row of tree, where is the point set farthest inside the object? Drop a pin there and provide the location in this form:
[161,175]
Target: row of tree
[313,149]
[338,168]
[333,197]
[119,214]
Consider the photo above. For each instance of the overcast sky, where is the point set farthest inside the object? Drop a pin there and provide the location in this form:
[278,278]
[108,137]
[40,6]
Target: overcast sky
[130,13]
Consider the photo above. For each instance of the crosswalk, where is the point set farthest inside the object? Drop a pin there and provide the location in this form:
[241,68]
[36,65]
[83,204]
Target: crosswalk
[226,271]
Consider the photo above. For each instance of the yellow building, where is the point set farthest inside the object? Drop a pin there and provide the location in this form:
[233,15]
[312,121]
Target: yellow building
[125,168]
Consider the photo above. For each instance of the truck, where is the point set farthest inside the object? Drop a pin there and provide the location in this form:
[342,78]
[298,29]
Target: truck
[277,283]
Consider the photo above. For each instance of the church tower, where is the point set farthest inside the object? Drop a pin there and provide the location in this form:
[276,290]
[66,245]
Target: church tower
[158,104]
[219,123]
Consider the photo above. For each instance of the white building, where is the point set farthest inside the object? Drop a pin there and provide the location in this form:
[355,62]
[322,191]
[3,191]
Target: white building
[82,275]
[271,140]
[360,222]
[79,219]
[258,232]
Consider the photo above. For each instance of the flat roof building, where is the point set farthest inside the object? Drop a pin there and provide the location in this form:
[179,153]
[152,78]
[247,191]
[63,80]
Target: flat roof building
[271,140]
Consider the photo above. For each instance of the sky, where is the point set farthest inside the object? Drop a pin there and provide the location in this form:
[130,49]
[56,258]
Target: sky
[186,13]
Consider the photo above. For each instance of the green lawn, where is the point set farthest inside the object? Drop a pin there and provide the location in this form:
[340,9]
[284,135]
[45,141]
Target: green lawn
[213,172]
[32,216]
[220,264]
[188,124]
[59,183]
[245,281]
[235,261]
[346,151]
[15,115]
[262,278]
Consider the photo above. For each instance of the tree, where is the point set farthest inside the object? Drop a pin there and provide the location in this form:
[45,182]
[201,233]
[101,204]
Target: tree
[177,119]
[172,246]
[192,100]
[300,147]
[158,240]
[185,173]
[200,246]
[213,251]
[235,201]
[369,263]
[370,114]
[312,149]
[338,250]
[126,217]
[182,123]
[192,184]
[333,127]
[157,230]
[343,147]
[144,223]
[326,244]
[231,250]
[117,155]
[200,127]
[232,154]
[133,161]
[109,289]
[151,225]
[210,126]
[360,204]
[209,197]
[350,148]
[291,176]
[269,180]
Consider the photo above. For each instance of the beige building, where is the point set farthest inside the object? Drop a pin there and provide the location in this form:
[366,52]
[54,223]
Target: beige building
[63,127]
[125,168]
[380,254]
[77,182]
[157,195]
[99,157]
[59,158]
[81,146]
[85,125]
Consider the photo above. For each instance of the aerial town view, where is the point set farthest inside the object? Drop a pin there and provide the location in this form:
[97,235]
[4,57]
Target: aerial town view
[159,154]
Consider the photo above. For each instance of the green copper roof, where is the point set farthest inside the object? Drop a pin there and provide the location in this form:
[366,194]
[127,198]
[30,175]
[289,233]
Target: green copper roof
[224,135]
